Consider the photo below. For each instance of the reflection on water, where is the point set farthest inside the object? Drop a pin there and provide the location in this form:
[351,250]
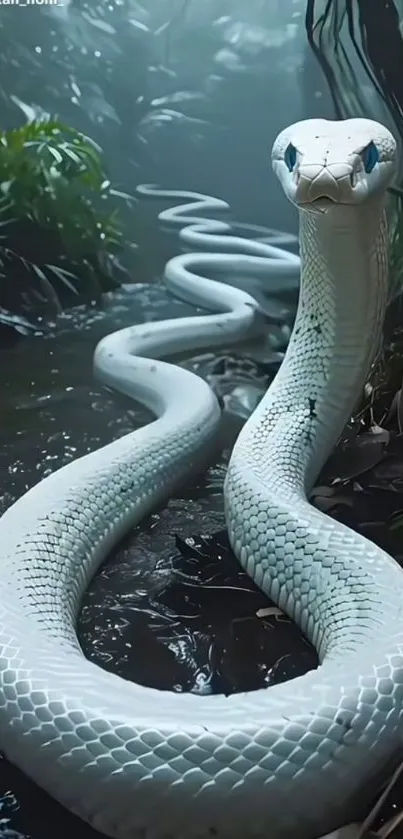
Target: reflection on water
[171,608]
[52,409]
[174,611]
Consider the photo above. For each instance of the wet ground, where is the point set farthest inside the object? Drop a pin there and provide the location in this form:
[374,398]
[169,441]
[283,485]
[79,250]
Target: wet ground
[171,608]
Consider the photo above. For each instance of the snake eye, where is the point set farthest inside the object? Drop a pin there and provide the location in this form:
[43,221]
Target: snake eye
[370,157]
[290,157]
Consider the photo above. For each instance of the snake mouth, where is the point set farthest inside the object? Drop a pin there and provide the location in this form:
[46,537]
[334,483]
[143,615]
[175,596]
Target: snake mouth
[321,204]
[324,199]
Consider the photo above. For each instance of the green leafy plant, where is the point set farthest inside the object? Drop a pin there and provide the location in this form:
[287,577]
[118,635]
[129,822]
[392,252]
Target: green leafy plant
[59,229]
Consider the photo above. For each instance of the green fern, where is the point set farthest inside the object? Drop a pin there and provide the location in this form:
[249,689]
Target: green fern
[52,178]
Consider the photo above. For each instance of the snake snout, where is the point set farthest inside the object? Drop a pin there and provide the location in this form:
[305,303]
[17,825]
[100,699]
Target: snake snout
[334,182]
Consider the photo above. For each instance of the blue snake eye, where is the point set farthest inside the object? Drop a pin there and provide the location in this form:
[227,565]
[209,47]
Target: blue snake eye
[290,157]
[370,157]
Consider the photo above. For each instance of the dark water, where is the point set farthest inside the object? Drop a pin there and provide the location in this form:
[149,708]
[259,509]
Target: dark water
[190,95]
[171,608]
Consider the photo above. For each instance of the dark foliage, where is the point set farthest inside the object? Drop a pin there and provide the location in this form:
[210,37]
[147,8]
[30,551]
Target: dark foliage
[59,231]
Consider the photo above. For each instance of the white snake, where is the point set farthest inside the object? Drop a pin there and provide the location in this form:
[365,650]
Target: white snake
[291,761]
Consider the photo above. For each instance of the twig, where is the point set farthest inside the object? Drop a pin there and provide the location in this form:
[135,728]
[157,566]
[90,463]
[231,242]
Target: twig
[381,800]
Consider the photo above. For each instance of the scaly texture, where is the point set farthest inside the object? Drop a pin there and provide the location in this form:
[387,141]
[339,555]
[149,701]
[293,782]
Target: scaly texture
[292,760]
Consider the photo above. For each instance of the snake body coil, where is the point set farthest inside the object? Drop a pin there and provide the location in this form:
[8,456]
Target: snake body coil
[288,761]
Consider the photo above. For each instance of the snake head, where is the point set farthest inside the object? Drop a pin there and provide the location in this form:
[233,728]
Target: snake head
[321,162]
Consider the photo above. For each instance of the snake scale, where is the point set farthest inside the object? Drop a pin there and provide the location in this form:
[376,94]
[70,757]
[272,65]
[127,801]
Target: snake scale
[297,759]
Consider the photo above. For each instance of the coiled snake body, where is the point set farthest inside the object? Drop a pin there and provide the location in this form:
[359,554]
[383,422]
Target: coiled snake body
[292,760]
